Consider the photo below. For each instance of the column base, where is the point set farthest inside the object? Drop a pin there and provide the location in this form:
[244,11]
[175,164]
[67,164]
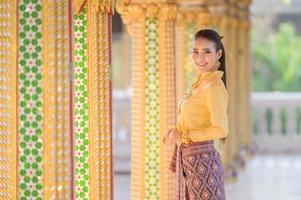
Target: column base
[248,151]
[230,173]
[239,162]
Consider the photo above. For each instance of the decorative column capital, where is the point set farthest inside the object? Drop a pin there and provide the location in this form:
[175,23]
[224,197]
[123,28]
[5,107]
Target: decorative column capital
[168,12]
[136,12]
[96,5]
[199,16]
[243,14]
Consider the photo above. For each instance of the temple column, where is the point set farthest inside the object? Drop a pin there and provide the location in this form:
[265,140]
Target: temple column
[246,76]
[231,63]
[8,100]
[56,99]
[151,27]
[185,29]
[92,99]
[240,83]
[222,23]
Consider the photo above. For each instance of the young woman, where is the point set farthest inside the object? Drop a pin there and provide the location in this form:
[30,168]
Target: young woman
[202,118]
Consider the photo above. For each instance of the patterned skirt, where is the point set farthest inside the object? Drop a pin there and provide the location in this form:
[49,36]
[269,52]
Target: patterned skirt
[199,172]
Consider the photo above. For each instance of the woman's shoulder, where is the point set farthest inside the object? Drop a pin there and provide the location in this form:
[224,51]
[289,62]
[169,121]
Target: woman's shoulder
[208,85]
[217,87]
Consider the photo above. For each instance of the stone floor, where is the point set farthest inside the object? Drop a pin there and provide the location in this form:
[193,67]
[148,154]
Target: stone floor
[266,177]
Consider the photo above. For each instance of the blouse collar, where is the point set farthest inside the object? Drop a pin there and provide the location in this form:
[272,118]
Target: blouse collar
[211,74]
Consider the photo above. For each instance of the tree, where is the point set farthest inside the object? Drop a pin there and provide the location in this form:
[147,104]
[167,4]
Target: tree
[277,60]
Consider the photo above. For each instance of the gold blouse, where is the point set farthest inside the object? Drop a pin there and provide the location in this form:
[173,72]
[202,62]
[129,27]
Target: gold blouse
[203,114]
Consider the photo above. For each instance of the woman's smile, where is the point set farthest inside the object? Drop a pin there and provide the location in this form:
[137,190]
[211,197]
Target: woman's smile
[201,65]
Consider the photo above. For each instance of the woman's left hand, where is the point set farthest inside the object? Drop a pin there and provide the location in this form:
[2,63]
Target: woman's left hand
[172,136]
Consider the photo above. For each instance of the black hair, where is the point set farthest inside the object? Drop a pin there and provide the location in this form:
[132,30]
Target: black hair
[213,36]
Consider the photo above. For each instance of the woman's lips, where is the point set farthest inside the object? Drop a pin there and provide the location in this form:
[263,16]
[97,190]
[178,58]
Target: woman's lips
[201,65]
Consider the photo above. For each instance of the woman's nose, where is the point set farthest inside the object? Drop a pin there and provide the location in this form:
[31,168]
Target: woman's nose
[200,57]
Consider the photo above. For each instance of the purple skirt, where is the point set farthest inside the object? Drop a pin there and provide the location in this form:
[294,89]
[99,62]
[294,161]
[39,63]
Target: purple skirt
[199,172]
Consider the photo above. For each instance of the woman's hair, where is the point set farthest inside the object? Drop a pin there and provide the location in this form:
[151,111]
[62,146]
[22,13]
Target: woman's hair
[213,36]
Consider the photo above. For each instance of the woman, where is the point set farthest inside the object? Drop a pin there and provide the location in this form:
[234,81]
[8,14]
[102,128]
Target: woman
[202,119]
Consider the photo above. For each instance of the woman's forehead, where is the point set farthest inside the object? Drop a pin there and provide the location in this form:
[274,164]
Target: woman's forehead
[202,43]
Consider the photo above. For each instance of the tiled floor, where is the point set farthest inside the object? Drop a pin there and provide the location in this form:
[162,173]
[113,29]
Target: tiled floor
[266,177]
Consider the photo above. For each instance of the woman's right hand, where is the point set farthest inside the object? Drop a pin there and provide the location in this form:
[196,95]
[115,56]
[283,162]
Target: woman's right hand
[172,136]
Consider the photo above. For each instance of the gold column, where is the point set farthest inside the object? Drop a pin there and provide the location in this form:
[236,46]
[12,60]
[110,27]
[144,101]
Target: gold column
[100,101]
[8,100]
[247,74]
[217,19]
[56,132]
[99,97]
[232,142]
[180,54]
[185,29]
[239,85]
[151,27]
[240,78]
[134,18]
[222,22]
[167,75]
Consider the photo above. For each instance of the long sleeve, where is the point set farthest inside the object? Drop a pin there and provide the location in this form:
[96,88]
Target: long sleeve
[216,98]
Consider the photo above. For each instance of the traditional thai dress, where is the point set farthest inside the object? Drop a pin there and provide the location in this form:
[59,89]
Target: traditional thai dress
[202,118]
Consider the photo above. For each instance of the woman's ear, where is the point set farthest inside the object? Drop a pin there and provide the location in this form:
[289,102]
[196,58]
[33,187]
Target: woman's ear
[219,53]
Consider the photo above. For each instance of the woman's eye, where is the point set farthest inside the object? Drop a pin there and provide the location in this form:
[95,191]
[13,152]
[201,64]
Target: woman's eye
[206,52]
[195,52]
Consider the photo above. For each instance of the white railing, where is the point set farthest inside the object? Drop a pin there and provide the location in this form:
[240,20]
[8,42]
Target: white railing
[276,122]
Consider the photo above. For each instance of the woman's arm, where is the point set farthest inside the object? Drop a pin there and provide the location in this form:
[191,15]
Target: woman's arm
[217,105]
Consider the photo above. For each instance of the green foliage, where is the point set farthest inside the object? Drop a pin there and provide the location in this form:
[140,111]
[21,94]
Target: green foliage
[276,60]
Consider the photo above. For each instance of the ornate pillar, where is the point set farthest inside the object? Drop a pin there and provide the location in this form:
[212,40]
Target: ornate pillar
[151,27]
[239,84]
[56,100]
[185,29]
[8,100]
[221,19]
[231,63]
[245,78]
[36,102]
[31,116]
[242,82]
[92,100]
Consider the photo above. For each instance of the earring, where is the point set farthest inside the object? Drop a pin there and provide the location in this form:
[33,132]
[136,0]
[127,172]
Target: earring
[218,65]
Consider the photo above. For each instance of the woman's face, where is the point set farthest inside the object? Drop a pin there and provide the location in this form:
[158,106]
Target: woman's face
[204,55]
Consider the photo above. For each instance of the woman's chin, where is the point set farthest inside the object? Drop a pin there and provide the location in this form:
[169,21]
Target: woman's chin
[201,69]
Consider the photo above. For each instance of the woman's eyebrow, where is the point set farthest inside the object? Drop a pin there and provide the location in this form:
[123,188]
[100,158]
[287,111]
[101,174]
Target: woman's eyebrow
[206,49]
